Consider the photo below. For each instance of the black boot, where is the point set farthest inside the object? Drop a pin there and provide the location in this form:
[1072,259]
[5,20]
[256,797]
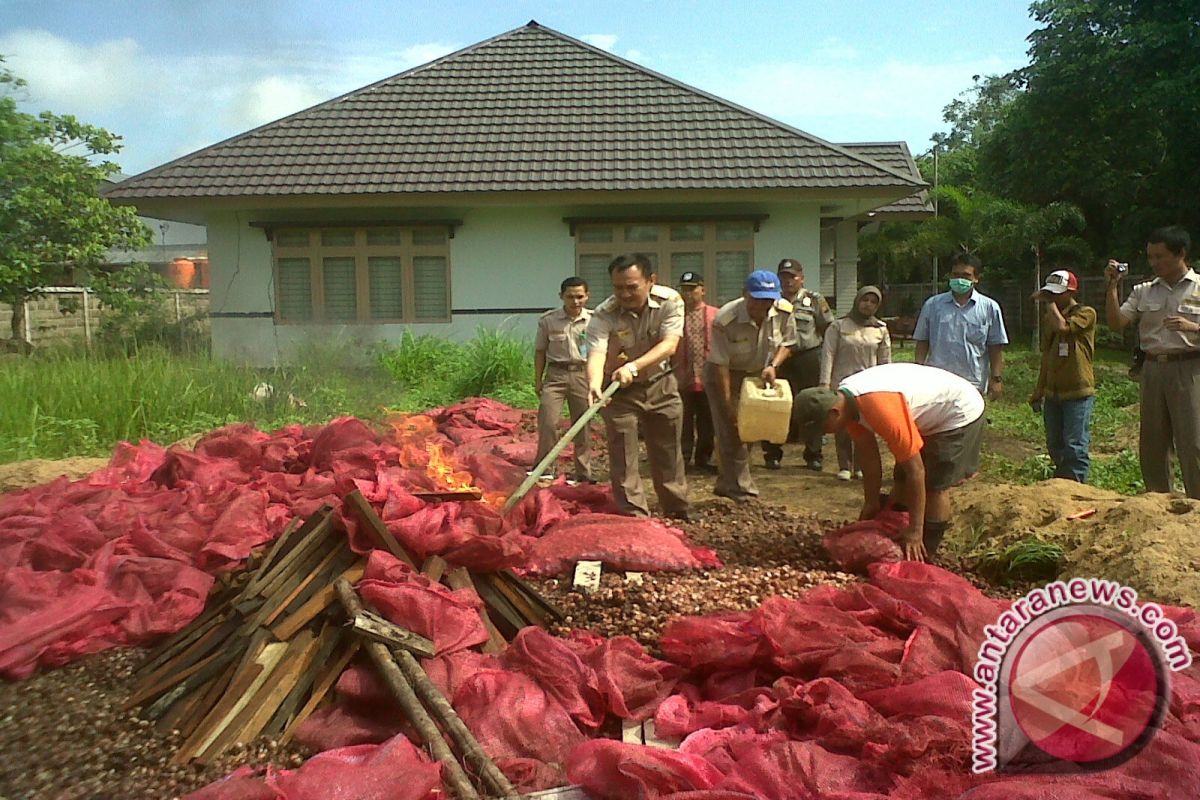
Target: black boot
[932,535]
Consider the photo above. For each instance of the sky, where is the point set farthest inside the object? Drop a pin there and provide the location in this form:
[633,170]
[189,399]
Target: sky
[173,76]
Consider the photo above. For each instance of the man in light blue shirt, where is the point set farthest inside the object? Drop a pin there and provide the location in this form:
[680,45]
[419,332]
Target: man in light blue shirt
[962,331]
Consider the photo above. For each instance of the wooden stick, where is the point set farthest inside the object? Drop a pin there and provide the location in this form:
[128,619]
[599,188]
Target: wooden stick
[367,516]
[534,596]
[545,463]
[278,545]
[292,664]
[499,605]
[286,628]
[295,560]
[531,613]
[208,726]
[272,612]
[450,495]
[230,726]
[191,685]
[374,627]
[285,547]
[322,687]
[190,721]
[456,777]
[197,650]
[434,568]
[461,579]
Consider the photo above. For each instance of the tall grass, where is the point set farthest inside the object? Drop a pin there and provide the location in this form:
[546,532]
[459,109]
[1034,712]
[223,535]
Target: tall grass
[61,404]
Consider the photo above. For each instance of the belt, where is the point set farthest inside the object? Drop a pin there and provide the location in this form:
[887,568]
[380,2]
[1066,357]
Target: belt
[569,366]
[1162,358]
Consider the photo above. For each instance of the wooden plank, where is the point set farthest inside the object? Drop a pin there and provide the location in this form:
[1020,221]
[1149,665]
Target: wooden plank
[210,725]
[272,611]
[212,695]
[217,605]
[460,495]
[377,629]
[199,649]
[323,599]
[149,690]
[226,731]
[297,537]
[461,579]
[277,547]
[499,605]
[330,638]
[528,611]
[293,561]
[291,666]
[323,685]
[361,509]
[434,568]
[190,686]
[534,596]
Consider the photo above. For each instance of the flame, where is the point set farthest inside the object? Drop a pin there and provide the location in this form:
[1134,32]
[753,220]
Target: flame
[441,469]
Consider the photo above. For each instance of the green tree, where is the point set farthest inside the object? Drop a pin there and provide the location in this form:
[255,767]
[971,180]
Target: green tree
[51,215]
[1107,116]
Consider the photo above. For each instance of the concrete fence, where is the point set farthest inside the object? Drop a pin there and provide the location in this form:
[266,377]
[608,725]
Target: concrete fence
[67,314]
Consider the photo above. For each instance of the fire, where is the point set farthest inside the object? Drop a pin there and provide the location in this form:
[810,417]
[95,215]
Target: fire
[442,470]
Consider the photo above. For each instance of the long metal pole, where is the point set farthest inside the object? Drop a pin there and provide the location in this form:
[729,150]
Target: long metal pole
[935,214]
[545,463]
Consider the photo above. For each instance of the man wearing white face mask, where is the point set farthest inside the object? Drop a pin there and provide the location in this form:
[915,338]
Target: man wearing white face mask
[962,330]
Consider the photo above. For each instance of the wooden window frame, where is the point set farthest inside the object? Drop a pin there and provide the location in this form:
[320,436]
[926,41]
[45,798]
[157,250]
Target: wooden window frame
[361,252]
[664,248]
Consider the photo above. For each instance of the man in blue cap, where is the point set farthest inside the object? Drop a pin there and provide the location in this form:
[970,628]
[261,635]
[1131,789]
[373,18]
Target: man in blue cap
[752,335]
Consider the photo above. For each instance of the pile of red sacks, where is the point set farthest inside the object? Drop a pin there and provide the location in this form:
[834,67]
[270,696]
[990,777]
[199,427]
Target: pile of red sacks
[857,693]
[128,553]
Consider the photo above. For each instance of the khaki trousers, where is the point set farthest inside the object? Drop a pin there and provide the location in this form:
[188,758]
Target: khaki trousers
[561,385]
[658,410]
[1170,420]
[734,459]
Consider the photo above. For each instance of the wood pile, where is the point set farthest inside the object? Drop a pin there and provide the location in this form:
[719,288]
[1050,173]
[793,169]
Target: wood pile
[273,639]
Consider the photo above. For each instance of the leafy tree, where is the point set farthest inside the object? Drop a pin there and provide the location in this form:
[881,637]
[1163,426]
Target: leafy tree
[51,215]
[1107,116]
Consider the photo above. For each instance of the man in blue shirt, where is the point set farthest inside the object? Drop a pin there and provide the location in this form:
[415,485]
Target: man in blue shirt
[962,331]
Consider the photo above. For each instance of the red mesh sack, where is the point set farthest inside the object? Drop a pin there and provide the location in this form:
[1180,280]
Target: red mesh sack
[610,770]
[627,543]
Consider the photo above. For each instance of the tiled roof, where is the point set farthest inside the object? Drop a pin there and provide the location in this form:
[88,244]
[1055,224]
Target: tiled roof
[529,110]
[895,156]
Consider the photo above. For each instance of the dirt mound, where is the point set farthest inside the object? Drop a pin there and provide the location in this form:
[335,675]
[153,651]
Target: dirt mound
[1150,542]
[24,474]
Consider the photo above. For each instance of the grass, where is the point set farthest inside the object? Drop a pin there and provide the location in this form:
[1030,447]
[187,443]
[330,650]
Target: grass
[66,403]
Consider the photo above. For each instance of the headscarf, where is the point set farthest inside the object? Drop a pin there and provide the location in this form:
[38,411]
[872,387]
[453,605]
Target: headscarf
[856,315]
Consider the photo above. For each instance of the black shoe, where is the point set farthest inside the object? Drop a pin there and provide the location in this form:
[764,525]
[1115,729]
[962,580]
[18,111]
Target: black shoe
[815,464]
[773,463]
[740,499]
[709,469]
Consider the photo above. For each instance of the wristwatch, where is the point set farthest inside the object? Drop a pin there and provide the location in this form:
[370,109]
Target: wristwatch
[633,370]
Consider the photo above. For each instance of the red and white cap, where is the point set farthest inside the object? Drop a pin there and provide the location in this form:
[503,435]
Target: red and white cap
[1061,281]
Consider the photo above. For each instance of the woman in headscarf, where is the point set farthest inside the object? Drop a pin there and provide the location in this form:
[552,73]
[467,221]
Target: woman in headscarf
[853,343]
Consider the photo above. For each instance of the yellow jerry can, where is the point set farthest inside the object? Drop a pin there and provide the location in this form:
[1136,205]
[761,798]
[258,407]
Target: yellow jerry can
[764,412]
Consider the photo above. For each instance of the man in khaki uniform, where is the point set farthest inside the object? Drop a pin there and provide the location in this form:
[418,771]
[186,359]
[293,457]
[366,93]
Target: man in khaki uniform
[1167,311]
[560,375]
[803,369]
[752,335]
[631,338]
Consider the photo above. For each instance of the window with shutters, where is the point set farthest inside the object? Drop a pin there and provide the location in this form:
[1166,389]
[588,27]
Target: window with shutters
[378,274]
[723,252]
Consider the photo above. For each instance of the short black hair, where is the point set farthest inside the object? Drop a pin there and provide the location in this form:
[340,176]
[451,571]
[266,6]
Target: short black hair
[571,283]
[969,260]
[1174,237]
[624,262]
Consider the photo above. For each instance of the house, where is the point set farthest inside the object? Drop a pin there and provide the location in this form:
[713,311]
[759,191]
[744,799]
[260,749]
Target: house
[459,194]
[170,240]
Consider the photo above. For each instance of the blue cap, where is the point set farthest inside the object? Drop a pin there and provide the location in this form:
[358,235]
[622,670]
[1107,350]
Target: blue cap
[763,285]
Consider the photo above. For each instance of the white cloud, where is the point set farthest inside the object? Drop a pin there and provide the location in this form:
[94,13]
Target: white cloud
[635,55]
[605,41]
[849,101]
[83,78]
[271,98]
[422,53]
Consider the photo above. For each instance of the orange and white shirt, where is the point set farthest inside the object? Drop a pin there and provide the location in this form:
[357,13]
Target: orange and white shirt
[904,403]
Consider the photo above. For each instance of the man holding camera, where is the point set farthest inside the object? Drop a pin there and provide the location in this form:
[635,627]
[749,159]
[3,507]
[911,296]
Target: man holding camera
[1167,312]
[1066,385]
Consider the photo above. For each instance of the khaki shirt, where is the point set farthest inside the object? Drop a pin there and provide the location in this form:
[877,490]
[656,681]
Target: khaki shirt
[740,344]
[809,308]
[1152,302]
[561,337]
[627,335]
[850,348]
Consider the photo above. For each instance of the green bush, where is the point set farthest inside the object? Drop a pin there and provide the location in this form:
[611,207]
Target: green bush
[1028,559]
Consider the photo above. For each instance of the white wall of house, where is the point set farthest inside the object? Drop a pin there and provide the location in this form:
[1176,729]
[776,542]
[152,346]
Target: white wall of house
[501,258]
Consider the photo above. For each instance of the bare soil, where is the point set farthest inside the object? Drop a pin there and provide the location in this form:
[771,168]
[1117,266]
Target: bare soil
[25,474]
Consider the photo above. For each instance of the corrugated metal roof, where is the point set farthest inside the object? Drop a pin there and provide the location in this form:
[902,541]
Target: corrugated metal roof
[529,110]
